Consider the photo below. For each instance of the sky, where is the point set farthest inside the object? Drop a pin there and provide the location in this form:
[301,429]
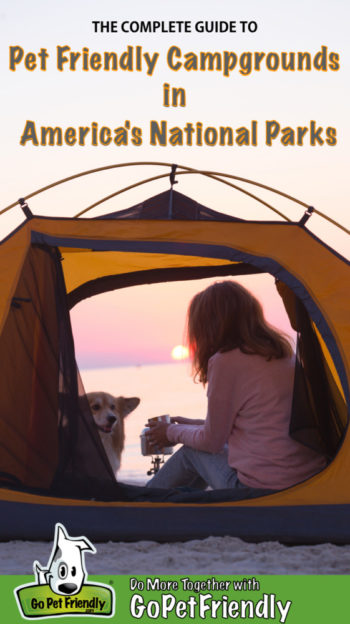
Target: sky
[142,324]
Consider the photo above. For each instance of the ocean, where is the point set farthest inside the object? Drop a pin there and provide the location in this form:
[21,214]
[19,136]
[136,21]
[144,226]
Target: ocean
[162,388]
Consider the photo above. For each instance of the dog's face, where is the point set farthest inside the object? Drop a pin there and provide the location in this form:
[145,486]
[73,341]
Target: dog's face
[67,573]
[109,411]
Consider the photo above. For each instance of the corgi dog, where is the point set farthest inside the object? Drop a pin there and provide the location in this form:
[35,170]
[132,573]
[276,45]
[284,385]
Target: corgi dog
[109,413]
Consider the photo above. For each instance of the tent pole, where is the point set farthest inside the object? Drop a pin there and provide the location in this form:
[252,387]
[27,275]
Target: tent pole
[188,169]
[165,175]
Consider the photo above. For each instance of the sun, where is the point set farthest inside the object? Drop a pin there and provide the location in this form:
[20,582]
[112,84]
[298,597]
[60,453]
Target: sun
[180,352]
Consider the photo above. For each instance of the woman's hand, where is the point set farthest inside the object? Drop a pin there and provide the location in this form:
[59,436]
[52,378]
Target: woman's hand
[157,435]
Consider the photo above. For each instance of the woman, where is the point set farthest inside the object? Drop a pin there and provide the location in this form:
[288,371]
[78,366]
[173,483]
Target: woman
[249,368]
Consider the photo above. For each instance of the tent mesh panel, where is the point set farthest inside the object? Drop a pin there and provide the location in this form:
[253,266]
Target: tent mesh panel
[170,205]
[46,428]
[318,412]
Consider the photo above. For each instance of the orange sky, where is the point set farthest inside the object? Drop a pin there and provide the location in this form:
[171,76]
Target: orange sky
[142,324]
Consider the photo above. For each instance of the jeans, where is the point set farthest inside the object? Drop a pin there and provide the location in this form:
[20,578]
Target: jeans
[198,469]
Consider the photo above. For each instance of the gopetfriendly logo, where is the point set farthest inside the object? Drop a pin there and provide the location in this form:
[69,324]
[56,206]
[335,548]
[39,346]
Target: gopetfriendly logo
[60,588]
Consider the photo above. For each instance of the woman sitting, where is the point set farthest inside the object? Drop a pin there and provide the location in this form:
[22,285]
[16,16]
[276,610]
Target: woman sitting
[244,441]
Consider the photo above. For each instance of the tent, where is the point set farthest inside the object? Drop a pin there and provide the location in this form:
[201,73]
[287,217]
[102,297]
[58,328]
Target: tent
[52,464]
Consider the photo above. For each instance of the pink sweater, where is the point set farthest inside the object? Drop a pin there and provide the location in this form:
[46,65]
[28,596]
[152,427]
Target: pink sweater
[249,407]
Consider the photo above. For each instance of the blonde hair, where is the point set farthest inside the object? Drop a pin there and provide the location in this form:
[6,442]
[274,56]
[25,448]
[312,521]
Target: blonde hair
[227,316]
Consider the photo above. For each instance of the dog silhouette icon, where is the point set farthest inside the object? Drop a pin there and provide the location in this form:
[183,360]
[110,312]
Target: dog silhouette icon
[65,572]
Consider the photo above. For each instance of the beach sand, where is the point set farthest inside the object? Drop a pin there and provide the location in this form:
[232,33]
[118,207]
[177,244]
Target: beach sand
[214,555]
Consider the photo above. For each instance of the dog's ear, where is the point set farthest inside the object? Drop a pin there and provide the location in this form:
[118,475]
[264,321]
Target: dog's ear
[128,405]
[40,573]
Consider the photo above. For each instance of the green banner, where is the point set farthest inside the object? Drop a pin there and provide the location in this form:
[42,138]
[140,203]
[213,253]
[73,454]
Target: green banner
[186,598]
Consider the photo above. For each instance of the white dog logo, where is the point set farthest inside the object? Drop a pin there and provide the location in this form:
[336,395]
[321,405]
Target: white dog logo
[65,571]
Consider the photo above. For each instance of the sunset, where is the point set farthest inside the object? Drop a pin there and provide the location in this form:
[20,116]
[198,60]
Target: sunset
[180,353]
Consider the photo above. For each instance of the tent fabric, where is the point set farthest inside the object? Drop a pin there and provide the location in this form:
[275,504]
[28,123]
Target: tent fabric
[153,276]
[45,429]
[318,412]
[53,263]
[299,524]
[29,443]
[170,205]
